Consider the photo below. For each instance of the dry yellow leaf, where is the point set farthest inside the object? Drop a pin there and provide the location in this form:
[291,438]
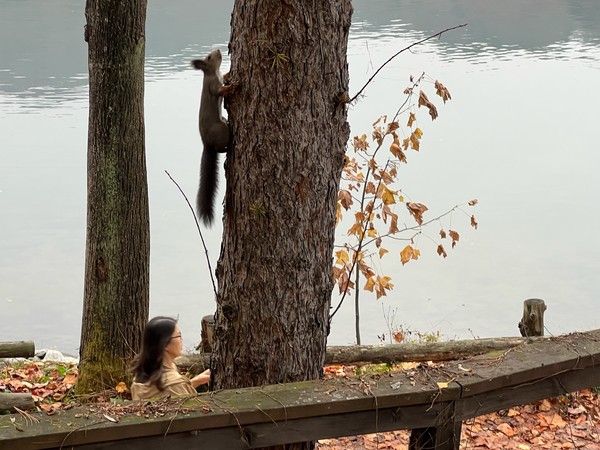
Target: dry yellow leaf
[360,143]
[386,195]
[441,251]
[345,199]
[370,284]
[506,429]
[409,253]
[341,257]
[417,210]
[474,222]
[442,91]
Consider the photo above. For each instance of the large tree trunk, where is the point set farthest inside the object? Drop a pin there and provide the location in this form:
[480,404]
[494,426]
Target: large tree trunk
[290,133]
[117,245]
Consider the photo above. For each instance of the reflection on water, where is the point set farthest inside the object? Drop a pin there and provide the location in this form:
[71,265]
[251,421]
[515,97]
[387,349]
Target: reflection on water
[44,53]
[519,134]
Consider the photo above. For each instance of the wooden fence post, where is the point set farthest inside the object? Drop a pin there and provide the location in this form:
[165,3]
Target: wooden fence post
[444,436]
[532,323]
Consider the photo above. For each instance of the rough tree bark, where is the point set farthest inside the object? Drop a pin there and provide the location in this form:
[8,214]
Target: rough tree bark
[116,289]
[290,132]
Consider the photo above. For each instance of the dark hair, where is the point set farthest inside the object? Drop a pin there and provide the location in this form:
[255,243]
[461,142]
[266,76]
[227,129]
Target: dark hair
[147,366]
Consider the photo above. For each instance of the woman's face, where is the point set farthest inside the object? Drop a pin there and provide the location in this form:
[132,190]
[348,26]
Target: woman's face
[175,345]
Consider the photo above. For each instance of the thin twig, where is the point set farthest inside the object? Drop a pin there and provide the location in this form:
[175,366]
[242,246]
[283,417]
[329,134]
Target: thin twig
[278,401]
[180,403]
[199,232]
[438,34]
[417,228]
[29,419]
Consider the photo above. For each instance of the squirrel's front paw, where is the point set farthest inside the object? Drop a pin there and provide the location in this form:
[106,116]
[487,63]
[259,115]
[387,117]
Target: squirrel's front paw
[230,88]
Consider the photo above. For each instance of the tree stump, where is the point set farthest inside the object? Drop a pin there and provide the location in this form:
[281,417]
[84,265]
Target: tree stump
[208,328]
[532,323]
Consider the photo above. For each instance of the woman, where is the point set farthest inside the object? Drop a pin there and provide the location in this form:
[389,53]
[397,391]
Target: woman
[155,374]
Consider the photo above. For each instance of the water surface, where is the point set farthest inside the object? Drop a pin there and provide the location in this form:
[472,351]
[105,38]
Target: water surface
[520,134]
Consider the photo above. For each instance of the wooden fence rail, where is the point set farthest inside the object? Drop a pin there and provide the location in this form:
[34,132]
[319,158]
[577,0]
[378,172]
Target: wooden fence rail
[433,399]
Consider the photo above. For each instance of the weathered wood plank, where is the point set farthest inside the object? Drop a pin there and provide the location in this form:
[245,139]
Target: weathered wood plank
[247,407]
[298,430]
[279,414]
[511,396]
[527,363]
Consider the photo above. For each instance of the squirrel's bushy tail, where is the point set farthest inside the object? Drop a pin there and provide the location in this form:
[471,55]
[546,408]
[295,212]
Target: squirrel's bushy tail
[209,172]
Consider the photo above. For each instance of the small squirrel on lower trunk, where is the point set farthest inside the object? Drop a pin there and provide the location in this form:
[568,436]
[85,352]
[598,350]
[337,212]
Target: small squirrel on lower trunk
[214,131]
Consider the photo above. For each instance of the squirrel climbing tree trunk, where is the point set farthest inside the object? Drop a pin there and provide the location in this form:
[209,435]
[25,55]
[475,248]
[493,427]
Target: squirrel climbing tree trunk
[116,289]
[290,130]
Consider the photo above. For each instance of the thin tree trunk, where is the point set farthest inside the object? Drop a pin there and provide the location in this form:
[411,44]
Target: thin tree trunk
[116,288]
[357,306]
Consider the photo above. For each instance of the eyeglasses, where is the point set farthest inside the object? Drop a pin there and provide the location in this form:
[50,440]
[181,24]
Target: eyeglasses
[175,337]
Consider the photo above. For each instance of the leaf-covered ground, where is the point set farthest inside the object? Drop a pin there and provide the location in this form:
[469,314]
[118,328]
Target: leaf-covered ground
[568,422]
[49,384]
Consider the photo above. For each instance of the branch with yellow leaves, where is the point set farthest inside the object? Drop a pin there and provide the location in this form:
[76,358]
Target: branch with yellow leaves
[378,208]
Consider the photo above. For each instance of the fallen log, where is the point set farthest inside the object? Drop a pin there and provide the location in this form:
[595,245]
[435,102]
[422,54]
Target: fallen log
[431,351]
[17,349]
[10,401]
[391,353]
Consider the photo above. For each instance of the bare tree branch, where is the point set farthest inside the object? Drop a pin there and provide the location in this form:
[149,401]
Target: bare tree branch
[438,34]
[199,232]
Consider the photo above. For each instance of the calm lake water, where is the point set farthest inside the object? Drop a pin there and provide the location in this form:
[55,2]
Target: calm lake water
[520,134]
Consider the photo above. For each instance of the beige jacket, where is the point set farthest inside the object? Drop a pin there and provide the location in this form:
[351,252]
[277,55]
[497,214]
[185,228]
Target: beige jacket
[173,382]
